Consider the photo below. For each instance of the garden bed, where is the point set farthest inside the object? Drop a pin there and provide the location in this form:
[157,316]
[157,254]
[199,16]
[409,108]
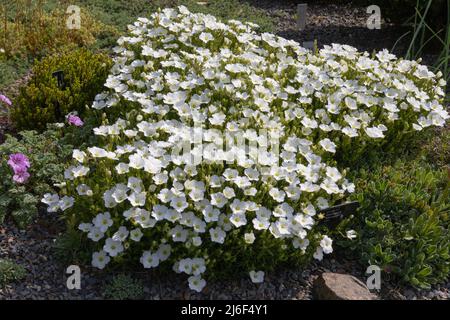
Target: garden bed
[39,247]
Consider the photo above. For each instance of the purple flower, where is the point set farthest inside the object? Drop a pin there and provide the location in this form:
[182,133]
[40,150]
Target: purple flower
[5,100]
[21,175]
[75,120]
[18,161]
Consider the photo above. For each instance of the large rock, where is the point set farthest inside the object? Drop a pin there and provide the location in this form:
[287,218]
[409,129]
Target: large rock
[336,286]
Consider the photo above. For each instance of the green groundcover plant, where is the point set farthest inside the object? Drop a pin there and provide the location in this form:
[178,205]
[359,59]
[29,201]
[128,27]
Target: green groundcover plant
[124,287]
[10,271]
[403,222]
[159,187]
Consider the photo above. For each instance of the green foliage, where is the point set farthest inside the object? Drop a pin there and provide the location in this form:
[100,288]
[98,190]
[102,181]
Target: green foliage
[403,222]
[42,102]
[124,287]
[10,271]
[120,13]
[47,156]
[71,248]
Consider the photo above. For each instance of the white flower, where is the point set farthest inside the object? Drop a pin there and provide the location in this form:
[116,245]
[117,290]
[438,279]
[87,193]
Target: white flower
[318,254]
[238,219]
[249,237]
[136,235]
[179,203]
[198,266]
[119,193]
[277,195]
[257,276]
[374,132]
[103,221]
[84,190]
[53,202]
[137,199]
[235,67]
[122,168]
[178,234]
[206,37]
[80,171]
[197,241]
[66,203]
[121,234]
[229,193]
[301,244]
[309,210]
[112,247]
[185,265]
[85,227]
[100,259]
[333,174]
[78,155]
[196,283]
[328,145]
[97,152]
[164,251]
[211,214]
[95,234]
[217,235]
[149,259]
[261,224]
[135,184]
[326,245]
[218,200]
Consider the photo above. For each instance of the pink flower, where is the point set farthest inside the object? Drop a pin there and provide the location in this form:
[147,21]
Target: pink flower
[21,175]
[5,100]
[75,120]
[18,161]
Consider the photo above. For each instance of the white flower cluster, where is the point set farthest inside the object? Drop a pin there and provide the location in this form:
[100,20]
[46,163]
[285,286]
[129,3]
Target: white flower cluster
[179,69]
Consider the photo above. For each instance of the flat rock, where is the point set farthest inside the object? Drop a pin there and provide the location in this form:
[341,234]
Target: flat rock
[337,286]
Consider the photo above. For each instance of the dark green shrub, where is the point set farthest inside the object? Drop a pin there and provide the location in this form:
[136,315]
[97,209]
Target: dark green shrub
[403,222]
[124,287]
[42,102]
[47,156]
[10,271]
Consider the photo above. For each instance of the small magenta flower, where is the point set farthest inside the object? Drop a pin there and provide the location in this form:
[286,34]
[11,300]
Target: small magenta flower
[21,175]
[5,100]
[18,161]
[75,120]
[20,164]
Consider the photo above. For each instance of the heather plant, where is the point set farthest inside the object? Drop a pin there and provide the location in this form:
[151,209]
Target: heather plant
[34,29]
[216,146]
[42,101]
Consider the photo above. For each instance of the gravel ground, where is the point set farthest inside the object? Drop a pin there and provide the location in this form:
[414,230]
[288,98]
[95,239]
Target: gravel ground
[46,279]
[331,23]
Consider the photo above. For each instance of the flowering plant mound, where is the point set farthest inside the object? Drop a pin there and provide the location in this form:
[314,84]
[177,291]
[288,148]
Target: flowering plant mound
[161,187]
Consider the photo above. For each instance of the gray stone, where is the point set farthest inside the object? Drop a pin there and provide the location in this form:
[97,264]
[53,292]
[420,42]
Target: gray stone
[336,286]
